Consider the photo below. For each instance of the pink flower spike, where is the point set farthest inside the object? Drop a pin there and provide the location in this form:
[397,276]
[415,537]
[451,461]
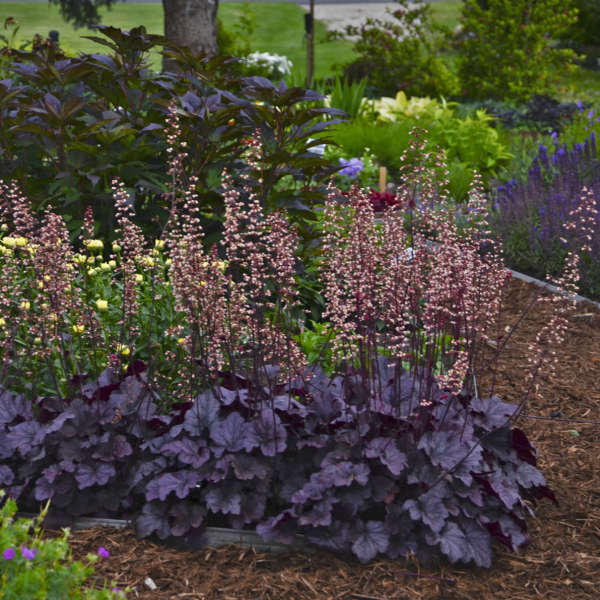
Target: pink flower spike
[102,551]
[8,554]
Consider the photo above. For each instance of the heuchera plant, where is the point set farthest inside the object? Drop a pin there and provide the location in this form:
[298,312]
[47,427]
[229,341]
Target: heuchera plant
[397,450]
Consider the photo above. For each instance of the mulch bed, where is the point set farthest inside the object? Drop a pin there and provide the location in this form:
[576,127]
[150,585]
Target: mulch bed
[562,561]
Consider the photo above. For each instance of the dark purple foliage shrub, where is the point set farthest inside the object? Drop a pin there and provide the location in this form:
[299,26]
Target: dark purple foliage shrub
[530,215]
[387,477]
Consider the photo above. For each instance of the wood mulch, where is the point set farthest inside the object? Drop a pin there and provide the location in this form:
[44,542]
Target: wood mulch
[562,561]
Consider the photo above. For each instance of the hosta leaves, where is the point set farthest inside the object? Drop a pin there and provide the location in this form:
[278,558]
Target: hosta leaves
[372,538]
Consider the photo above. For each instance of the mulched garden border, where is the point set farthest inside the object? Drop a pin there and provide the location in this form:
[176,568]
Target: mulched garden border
[562,561]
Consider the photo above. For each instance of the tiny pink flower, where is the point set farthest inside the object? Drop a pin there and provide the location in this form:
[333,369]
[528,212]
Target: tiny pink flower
[102,551]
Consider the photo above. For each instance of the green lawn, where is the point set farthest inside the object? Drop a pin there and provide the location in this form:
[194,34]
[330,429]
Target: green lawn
[278,28]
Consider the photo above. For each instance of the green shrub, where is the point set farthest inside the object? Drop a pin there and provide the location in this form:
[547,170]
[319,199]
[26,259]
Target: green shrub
[33,568]
[505,49]
[586,30]
[470,143]
[401,54]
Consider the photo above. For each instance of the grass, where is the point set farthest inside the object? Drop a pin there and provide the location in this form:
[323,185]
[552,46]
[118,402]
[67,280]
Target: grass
[278,28]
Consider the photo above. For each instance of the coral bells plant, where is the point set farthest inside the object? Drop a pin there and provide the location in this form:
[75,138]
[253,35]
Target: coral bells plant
[171,388]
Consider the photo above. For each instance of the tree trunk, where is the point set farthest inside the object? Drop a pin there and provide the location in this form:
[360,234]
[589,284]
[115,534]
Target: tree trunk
[192,23]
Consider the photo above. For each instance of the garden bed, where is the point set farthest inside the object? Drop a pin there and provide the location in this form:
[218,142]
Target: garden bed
[561,562]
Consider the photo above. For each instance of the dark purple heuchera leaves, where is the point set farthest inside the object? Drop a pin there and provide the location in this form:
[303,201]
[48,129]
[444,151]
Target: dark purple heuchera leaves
[386,450]
[268,433]
[372,538]
[350,476]
[232,434]
[180,483]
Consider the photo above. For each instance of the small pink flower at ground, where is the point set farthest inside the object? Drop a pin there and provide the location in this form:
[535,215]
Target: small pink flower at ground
[102,551]
[27,553]
[8,554]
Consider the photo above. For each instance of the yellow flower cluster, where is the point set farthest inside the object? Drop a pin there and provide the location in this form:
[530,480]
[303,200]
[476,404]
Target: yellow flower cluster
[14,242]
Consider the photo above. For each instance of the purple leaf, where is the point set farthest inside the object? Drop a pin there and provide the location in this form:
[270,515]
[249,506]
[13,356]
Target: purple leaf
[232,434]
[202,414]
[528,476]
[249,467]
[24,436]
[493,413]
[223,500]
[445,449]
[185,515]
[190,452]
[320,515]
[507,490]
[372,538]
[153,519]
[453,543]
[280,528]
[180,482]
[429,508]
[386,450]
[346,473]
[6,475]
[313,490]
[268,432]
[43,489]
[97,474]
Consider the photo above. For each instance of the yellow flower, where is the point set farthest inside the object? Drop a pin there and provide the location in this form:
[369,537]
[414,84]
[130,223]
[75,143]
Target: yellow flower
[37,341]
[112,264]
[168,262]
[9,242]
[94,244]
[148,261]
[25,305]
[202,282]
[4,227]
[116,248]
[47,277]
[79,259]
[53,317]
[2,322]
[181,341]
[91,272]
[20,242]
[40,285]
[77,329]
[221,265]
[105,266]
[124,350]
[91,260]
[139,277]
[159,244]
[101,304]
